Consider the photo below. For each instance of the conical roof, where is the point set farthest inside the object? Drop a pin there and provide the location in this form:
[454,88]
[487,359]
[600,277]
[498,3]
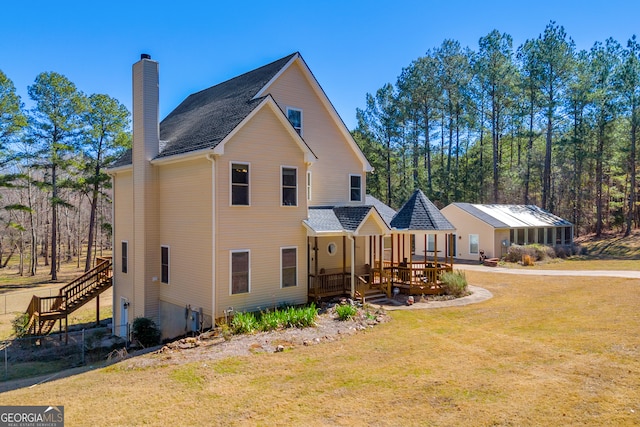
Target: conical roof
[420,214]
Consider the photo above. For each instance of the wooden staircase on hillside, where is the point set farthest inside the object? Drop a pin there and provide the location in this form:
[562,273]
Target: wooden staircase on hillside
[43,312]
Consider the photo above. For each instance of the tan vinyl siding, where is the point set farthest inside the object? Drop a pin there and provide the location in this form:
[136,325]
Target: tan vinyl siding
[371,228]
[186,228]
[333,262]
[336,159]
[467,224]
[265,226]
[123,217]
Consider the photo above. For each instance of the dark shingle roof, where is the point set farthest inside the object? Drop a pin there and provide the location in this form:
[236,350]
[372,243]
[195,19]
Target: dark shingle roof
[124,160]
[337,218]
[323,219]
[385,211]
[351,216]
[419,214]
[205,118]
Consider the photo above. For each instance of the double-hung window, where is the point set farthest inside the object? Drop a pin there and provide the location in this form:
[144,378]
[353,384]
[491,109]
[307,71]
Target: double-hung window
[431,242]
[295,117]
[289,271]
[239,184]
[289,186]
[164,264]
[474,243]
[240,273]
[355,188]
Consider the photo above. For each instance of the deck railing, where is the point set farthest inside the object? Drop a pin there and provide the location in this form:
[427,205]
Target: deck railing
[328,284]
[417,277]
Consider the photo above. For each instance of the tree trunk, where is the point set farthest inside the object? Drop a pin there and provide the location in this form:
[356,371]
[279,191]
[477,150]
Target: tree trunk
[54,223]
[427,148]
[599,178]
[34,237]
[632,174]
[92,221]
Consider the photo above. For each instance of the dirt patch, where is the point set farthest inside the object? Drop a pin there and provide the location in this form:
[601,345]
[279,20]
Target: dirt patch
[213,345]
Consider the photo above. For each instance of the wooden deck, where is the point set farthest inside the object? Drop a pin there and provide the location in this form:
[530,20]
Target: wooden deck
[416,278]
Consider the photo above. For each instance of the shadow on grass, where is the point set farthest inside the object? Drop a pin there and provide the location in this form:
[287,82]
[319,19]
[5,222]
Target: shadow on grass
[613,247]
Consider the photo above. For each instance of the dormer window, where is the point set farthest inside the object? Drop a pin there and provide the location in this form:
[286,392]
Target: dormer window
[295,117]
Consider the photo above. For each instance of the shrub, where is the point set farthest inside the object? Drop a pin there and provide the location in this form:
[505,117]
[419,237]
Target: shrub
[346,311]
[244,323]
[454,283]
[288,317]
[145,331]
[270,320]
[516,252]
[537,252]
[307,316]
[20,324]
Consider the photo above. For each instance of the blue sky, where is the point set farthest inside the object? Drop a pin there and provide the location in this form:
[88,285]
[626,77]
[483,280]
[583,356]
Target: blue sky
[352,47]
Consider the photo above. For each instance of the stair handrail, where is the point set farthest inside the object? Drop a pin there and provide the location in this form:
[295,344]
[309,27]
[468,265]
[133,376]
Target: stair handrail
[103,264]
[86,282]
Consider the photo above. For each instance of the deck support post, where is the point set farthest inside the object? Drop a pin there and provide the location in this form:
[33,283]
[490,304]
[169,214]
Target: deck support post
[98,310]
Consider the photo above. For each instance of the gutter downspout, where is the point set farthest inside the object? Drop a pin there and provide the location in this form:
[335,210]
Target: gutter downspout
[353,263]
[113,259]
[214,235]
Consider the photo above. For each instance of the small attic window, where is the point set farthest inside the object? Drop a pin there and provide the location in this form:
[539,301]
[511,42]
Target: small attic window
[295,117]
[355,188]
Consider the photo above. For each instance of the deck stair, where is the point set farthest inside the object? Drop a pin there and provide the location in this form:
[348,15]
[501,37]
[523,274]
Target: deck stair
[374,296]
[43,312]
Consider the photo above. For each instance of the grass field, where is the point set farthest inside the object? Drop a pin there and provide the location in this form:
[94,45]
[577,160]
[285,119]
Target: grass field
[543,351]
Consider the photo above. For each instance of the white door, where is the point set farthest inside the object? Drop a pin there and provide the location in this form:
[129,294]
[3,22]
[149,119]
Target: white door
[124,318]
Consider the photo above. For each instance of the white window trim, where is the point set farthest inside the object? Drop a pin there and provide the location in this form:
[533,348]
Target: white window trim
[309,186]
[282,168]
[235,251]
[431,243]
[127,242]
[231,163]
[168,264]
[478,239]
[297,277]
[361,189]
[301,118]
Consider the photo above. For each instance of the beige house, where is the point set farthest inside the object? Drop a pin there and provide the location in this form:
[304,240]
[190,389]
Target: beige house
[493,228]
[240,199]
